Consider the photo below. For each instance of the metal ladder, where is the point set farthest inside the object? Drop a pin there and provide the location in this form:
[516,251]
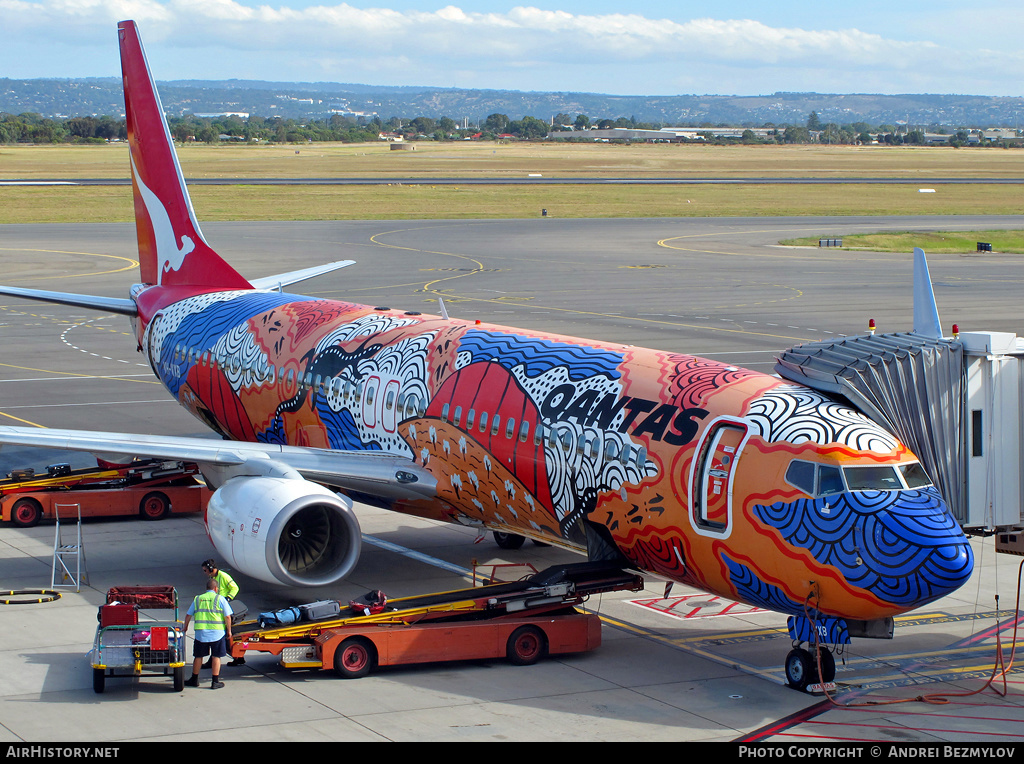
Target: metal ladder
[63,553]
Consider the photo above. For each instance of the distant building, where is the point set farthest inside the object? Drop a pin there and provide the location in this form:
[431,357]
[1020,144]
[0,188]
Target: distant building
[665,134]
[239,114]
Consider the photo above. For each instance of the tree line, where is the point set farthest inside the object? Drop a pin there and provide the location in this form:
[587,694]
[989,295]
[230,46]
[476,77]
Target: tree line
[33,128]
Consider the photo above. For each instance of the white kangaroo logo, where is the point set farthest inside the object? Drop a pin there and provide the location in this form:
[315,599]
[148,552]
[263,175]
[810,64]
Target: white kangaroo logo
[168,254]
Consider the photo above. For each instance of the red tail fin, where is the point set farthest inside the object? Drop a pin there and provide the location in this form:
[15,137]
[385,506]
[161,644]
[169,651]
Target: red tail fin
[172,250]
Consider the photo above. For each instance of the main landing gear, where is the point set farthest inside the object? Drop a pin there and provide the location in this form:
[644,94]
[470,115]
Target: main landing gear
[802,667]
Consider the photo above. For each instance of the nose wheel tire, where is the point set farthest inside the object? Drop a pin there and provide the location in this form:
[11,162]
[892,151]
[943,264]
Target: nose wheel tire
[802,668]
[828,666]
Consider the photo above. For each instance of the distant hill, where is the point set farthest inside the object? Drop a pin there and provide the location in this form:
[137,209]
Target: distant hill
[306,100]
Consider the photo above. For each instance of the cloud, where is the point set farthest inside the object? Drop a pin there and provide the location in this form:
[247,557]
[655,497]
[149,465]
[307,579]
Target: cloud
[542,49]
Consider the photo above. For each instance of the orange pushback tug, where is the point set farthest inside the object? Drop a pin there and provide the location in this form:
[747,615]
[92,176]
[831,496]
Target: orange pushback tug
[522,621]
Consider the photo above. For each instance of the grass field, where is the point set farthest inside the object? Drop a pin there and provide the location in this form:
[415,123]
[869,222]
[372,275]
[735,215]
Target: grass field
[406,198]
[489,159]
[944,242]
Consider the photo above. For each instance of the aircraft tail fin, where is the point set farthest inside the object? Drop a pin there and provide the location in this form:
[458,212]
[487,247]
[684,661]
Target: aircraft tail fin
[926,312]
[172,250]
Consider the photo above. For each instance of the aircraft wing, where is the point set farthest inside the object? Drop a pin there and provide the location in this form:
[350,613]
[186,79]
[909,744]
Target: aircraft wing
[384,476]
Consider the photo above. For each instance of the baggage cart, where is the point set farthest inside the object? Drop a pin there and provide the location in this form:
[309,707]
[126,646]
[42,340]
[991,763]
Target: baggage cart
[522,621]
[126,645]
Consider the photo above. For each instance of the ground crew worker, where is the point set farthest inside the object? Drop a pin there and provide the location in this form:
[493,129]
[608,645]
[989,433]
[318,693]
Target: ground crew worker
[212,615]
[228,587]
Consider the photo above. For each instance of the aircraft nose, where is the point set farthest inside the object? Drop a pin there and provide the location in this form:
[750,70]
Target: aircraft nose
[904,547]
[918,551]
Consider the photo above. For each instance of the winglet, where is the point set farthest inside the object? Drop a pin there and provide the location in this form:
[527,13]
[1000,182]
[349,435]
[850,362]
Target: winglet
[172,250]
[926,313]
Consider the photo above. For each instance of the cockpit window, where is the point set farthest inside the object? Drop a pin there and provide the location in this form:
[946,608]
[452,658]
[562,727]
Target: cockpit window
[801,475]
[825,480]
[815,479]
[880,478]
[830,480]
[914,475]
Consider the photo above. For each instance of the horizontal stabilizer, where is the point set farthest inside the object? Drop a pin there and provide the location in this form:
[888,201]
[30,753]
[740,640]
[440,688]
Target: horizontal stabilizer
[282,280]
[119,305]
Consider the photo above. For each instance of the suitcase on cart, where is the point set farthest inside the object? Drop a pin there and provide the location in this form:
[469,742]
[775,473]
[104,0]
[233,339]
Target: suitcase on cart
[239,610]
[317,611]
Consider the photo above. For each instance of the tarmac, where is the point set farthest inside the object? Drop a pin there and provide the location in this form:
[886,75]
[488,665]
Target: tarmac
[682,667]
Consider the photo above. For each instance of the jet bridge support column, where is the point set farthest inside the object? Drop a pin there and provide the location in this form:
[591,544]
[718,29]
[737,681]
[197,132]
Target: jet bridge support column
[994,437]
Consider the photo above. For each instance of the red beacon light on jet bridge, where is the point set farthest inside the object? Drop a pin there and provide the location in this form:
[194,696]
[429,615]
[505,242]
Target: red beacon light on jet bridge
[871,325]
[956,331]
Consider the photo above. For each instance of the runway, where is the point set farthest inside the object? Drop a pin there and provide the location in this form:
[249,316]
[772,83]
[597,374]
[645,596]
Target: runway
[533,179]
[686,668]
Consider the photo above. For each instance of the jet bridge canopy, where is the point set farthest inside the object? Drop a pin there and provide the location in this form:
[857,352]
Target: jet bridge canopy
[956,403]
[910,384]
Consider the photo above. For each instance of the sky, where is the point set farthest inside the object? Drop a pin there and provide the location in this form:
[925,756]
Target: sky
[658,47]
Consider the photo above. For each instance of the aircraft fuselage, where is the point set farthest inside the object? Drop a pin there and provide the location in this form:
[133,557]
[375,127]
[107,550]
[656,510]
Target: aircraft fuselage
[702,472]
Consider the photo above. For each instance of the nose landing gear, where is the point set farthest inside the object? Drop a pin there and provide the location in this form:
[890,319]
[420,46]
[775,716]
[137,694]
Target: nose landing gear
[802,667]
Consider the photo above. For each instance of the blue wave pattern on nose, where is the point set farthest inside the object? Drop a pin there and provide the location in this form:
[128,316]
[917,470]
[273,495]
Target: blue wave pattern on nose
[902,546]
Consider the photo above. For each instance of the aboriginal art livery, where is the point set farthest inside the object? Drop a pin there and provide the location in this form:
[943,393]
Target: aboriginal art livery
[714,476]
[691,468]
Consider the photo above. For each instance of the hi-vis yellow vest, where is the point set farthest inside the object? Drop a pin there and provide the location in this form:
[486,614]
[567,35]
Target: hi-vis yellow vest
[208,614]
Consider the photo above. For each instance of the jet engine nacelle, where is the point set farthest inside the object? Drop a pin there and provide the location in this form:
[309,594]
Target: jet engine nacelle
[285,531]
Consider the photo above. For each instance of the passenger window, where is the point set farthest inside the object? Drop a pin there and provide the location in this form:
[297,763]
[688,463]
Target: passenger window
[801,475]
[611,450]
[494,424]
[470,418]
[524,432]
[458,416]
[483,421]
[444,412]
[510,428]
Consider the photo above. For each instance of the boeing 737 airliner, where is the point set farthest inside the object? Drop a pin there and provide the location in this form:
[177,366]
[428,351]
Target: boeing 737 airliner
[723,479]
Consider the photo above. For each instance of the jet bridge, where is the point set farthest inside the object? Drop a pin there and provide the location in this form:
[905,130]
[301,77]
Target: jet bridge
[956,403]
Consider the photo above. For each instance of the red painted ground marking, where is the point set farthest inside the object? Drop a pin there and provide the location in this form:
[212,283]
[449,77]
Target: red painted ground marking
[697,606]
